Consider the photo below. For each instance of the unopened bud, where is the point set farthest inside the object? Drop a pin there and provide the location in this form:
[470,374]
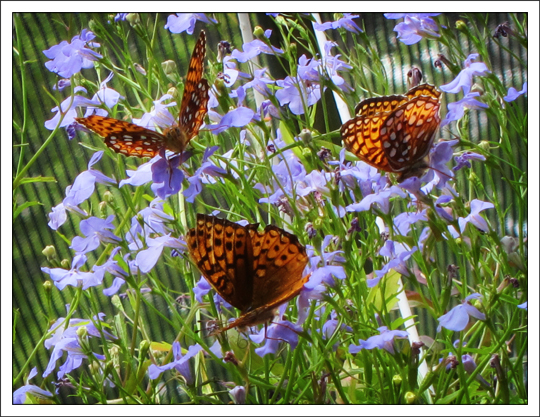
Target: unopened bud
[410,397]
[169,67]
[258,32]
[49,252]
[65,264]
[133,19]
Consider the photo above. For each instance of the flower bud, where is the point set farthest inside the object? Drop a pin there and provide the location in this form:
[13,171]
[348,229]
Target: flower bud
[397,380]
[280,20]
[461,25]
[82,332]
[169,67]
[306,136]
[49,252]
[258,32]
[484,145]
[103,209]
[410,397]
[47,286]
[65,264]
[133,19]
[139,68]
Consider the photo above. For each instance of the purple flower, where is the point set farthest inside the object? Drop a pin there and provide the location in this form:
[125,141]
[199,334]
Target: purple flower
[105,95]
[238,394]
[186,22]
[465,77]
[523,306]
[160,116]
[346,22]
[297,93]
[179,362]
[62,83]
[315,181]
[95,230]
[115,287]
[381,198]
[260,82]
[68,107]
[457,110]
[282,330]
[383,341]
[147,259]
[469,365]
[63,277]
[476,207]
[513,93]
[202,287]
[333,64]
[167,178]
[444,212]
[65,339]
[80,191]
[331,327]
[458,318]
[207,168]
[120,16]
[403,221]
[19,396]
[254,48]
[398,254]
[152,219]
[238,117]
[68,58]
[415,26]
[462,160]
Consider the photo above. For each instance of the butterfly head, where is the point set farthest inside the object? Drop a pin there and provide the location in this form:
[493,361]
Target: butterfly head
[176,139]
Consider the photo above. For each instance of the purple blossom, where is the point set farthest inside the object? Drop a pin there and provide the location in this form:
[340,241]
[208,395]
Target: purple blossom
[147,258]
[69,58]
[65,339]
[381,198]
[415,26]
[238,394]
[346,22]
[523,306]
[238,117]
[95,230]
[469,365]
[445,213]
[385,340]
[120,16]
[63,277]
[333,64]
[474,217]
[462,160]
[152,219]
[80,191]
[179,363]
[260,82]
[62,83]
[159,116]
[298,93]
[69,109]
[186,22]
[105,95]
[282,330]
[19,396]
[254,48]
[202,287]
[398,254]
[115,287]
[207,168]
[456,110]
[513,93]
[439,173]
[465,77]
[167,178]
[402,222]
[458,318]
[320,266]
[331,326]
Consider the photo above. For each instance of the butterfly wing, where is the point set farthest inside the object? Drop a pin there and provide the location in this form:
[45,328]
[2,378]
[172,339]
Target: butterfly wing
[423,90]
[374,105]
[407,133]
[222,251]
[278,263]
[195,99]
[123,137]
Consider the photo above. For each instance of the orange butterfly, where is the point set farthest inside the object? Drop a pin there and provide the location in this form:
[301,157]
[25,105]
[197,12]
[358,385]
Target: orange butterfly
[132,140]
[395,133]
[253,271]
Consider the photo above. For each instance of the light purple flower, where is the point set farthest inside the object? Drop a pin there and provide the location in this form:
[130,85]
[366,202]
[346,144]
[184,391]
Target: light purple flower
[398,253]
[456,110]
[238,117]
[207,168]
[179,363]
[186,22]
[147,259]
[69,107]
[346,22]
[465,77]
[63,277]
[523,306]
[282,330]
[254,48]
[513,93]
[442,211]
[153,220]
[19,396]
[69,58]
[469,365]
[260,82]
[95,230]
[403,221]
[238,394]
[159,116]
[298,93]
[65,339]
[458,318]
[120,16]
[462,160]
[381,198]
[106,95]
[415,26]
[385,340]
[167,178]
[474,218]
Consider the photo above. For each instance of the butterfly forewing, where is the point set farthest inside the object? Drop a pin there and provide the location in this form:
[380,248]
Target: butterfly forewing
[196,92]
[395,133]
[123,137]
[254,271]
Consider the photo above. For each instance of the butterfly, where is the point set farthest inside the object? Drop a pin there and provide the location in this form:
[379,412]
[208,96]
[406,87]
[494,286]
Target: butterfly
[132,140]
[395,133]
[254,271]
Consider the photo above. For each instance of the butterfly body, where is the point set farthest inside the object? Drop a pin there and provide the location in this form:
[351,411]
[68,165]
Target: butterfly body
[395,133]
[254,271]
[132,140]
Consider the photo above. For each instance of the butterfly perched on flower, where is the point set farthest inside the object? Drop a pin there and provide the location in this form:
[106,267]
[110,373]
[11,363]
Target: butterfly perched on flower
[133,140]
[254,271]
[395,133]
